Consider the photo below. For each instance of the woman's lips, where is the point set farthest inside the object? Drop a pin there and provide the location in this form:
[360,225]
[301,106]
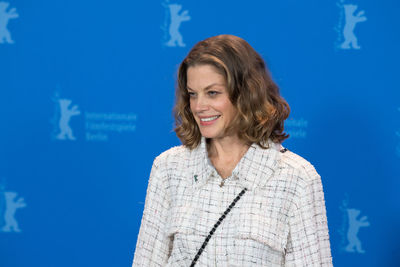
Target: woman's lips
[208,120]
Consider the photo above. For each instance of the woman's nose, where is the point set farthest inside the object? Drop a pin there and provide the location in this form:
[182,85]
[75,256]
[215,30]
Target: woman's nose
[201,104]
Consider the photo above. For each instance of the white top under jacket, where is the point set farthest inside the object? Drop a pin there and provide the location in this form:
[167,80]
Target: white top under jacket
[280,220]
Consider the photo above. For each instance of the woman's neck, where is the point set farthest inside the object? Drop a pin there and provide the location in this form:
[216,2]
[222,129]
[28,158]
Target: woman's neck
[227,148]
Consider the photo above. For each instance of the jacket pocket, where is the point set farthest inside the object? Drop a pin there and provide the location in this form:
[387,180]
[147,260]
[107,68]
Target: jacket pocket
[261,222]
[182,233]
[181,220]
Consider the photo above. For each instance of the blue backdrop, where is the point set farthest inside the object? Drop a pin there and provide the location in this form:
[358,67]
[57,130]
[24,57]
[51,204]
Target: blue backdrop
[86,93]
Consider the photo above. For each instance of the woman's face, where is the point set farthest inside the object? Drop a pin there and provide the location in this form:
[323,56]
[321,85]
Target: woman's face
[209,100]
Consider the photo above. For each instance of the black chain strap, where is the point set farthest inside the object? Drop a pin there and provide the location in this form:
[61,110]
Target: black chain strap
[216,225]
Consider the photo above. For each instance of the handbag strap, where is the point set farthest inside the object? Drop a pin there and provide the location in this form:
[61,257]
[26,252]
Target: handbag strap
[216,226]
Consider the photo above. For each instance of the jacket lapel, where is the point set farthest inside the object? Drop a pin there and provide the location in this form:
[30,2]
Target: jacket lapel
[256,167]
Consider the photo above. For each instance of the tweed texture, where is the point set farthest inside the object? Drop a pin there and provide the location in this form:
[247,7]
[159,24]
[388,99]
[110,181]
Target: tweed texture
[280,221]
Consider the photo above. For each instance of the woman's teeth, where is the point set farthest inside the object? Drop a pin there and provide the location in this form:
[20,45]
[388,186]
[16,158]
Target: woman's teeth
[209,118]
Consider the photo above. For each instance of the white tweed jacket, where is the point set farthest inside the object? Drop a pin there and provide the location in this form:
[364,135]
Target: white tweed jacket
[280,220]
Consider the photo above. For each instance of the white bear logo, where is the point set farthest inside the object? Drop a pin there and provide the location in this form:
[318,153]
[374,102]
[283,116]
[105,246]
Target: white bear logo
[66,114]
[5,16]
[355,224]
[11,224]
[348,30]
[176,20]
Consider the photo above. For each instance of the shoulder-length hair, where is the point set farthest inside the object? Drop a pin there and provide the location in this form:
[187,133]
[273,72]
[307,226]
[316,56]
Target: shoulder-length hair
[261,110]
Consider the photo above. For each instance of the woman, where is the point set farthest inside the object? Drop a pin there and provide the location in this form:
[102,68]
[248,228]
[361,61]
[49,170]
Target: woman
[231,195]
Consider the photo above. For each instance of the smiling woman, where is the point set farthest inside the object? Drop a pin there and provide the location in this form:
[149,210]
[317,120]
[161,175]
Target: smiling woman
[259,109]
[209,102]
[231,195]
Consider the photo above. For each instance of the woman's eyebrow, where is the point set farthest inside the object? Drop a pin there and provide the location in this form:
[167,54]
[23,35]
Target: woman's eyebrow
[207,87]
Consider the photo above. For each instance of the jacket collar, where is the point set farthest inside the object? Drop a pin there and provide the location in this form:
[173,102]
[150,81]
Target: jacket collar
[255,168]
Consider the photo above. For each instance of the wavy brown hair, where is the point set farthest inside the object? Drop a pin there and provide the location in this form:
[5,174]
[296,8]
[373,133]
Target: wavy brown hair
[261,110]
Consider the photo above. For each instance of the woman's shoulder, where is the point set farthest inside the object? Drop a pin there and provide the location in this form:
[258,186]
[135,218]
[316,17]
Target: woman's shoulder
[173,154]
[293,161]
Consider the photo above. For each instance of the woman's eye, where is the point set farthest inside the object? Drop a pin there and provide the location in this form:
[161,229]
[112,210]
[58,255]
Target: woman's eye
[212,93]
[191,94]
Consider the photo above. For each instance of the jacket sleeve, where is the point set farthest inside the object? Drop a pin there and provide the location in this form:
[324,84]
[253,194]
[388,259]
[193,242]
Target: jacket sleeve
[153,245]
[308,240]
